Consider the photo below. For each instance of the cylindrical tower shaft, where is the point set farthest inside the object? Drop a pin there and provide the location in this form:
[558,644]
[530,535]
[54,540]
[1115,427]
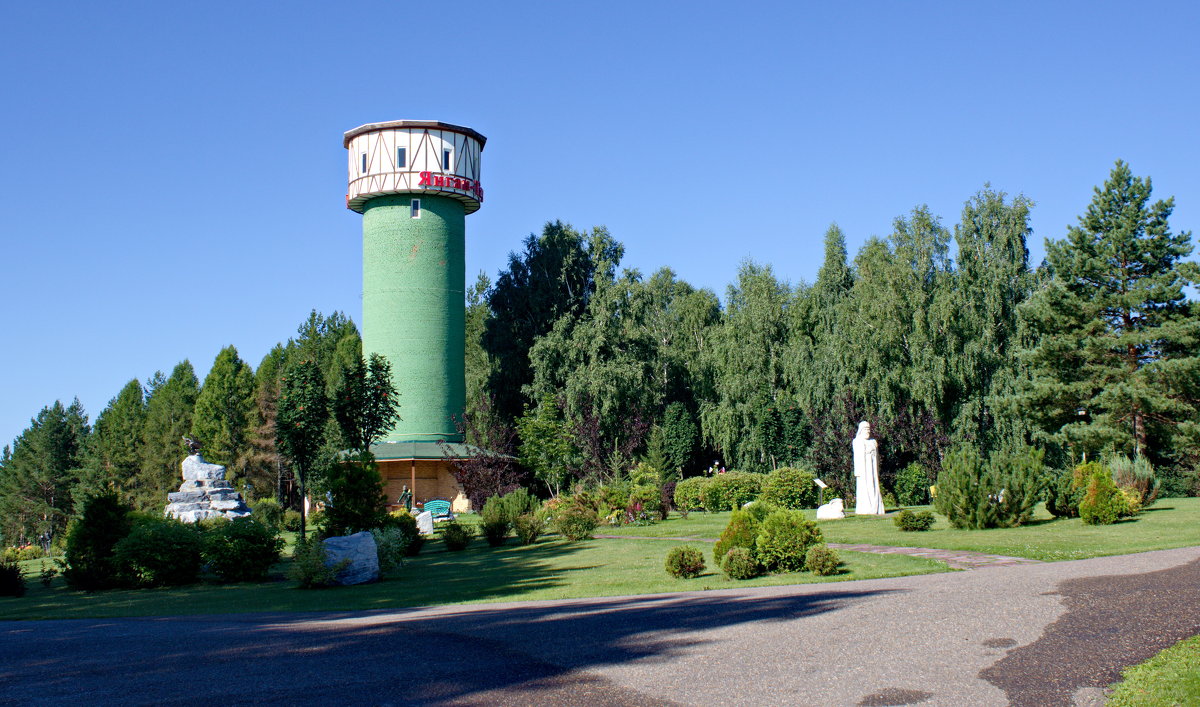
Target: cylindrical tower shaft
[413,294]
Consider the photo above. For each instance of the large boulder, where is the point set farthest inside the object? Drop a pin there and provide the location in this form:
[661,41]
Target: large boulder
[362,554]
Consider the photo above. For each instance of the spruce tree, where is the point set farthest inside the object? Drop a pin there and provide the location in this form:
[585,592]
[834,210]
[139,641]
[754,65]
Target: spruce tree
[114,448]
[170,403]
[1118,357]
[223,411]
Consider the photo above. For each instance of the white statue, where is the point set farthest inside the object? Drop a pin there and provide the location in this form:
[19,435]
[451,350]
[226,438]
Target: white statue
[831,511]
[866,473]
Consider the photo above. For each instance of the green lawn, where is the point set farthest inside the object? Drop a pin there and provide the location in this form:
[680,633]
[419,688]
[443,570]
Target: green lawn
[550,569]
[1170,678]
[1171,522]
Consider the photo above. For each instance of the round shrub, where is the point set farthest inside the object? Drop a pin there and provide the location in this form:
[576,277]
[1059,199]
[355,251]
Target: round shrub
[742,531]
[787,487]
[783,540]
[1103,503]
[291,521]
[390,546]
[12,584]
[912,485]
[242,550]
[739,563]
[528,527]
[759,509]
[456,535]
[822,560]
[158,552]
[268,512]
[575,522]
[407,525]
[907,520]
[685,562]
[689,494]
[731,490]
[90,541]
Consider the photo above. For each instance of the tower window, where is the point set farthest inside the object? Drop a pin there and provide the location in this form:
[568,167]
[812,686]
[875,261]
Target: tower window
[401,158]
[416,208]
[364,162]
[445,160]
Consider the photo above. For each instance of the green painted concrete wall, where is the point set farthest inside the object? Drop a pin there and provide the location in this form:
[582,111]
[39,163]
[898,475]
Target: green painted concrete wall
[413,308]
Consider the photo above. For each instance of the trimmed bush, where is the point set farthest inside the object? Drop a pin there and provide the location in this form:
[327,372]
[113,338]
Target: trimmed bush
[739,563]
[907,520]
[390,547]
[575,521]
[242,550]
[783,541]
[731,490]
[689,494]
[787,487]
[456,535]
[268,512]
[12,584]
[912,485]
[291,521]
[1102,502]
[90,541]
[407,525]
[158,552]
[308,565]
[528,527]
[822,560]
[685,562]
[999,493]
[742,531]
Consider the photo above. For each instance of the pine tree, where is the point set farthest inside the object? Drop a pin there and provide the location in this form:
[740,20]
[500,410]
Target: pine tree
[1119,351]
[223,411]
[170,403]
[114,449]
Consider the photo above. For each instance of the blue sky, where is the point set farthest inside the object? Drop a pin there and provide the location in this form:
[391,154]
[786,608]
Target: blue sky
[172,175]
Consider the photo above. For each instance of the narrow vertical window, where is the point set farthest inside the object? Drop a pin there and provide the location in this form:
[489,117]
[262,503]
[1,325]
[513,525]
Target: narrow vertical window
[445,160]
[401,158]
[416,208]
[364,162]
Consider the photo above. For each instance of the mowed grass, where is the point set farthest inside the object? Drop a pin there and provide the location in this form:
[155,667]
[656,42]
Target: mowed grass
[550,569]
[1169,523]
[1170,678]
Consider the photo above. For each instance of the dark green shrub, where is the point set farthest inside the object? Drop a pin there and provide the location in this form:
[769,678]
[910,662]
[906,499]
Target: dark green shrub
[291,521]
[1137,474]
[731,490]
[912,485]
[666,500]
[407,525]
[308,565]
[12,584]
[518,503]
[787,487]
[689,494]
[1000,493]
[242,551]
[47,574]
[495,520]
[907,520]
[1103,503]
[739,563]
[390,546]
[822,560]
[268,512]
[574,521]
[613,497]
[685,562]
[1062,496]
[783,540]
[742,531]
[528,527]
[358,500]
[158,552]
[456,535]
[315,523]
[90,541]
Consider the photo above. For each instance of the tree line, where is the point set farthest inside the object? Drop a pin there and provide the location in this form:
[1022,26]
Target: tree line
[578,368]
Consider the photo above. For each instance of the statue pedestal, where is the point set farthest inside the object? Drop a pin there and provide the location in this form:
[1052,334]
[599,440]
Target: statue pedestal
[204,493]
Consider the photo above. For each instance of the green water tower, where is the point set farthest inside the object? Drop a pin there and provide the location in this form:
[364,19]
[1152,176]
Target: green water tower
[414,182]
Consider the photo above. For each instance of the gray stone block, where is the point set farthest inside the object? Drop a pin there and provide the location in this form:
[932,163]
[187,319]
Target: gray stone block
[360,550]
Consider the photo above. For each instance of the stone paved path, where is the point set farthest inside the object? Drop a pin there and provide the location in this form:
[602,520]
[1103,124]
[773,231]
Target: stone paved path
[955,559]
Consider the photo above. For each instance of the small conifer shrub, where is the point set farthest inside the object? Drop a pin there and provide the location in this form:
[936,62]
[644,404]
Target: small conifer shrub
[907,520]
[685,562]
[822,560]
[739,563]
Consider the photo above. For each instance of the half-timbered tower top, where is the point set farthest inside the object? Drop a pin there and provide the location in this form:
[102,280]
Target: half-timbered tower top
[414,157]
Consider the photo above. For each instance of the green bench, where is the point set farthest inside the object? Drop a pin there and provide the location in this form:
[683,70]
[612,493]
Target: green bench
[439,509]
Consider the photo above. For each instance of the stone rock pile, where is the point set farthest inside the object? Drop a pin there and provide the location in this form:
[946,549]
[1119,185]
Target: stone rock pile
[205,493]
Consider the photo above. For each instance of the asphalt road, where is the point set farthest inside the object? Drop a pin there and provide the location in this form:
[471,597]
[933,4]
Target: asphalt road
[1025,635]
